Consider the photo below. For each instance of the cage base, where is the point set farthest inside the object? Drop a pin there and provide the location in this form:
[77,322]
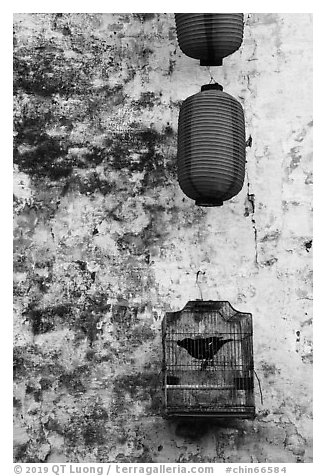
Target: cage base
[213,415]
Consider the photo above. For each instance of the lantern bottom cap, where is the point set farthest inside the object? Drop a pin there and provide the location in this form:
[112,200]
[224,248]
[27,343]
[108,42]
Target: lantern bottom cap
[209,203]
[211,62]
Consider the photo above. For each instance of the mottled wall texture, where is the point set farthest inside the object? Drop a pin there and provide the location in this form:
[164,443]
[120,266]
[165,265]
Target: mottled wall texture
[106,242]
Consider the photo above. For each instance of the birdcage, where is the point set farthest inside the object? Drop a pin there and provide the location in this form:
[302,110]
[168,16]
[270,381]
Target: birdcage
[208,367]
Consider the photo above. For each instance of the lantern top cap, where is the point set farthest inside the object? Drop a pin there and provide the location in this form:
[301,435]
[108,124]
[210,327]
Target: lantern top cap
[214,86]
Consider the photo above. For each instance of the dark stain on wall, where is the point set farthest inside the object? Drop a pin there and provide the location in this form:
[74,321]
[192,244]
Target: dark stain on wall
[73,381]
[46,157]
[88,427]
[29,358]
[270,262]
[45,320]
[308,245]
[269,369]
[144,16]
[295,157]
[143,386]
[273,236]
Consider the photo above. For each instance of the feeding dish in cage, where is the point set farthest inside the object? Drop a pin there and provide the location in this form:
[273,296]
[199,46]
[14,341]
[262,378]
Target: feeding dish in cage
[208,367]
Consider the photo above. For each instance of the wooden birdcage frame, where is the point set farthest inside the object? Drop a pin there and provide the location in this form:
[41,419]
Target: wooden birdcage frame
[220,387]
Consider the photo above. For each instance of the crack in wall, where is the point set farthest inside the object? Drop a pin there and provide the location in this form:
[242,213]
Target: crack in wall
[255,236]
[250,210]
[250,199]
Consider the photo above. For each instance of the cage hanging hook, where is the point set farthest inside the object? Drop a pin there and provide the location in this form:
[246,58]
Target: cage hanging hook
[197,282]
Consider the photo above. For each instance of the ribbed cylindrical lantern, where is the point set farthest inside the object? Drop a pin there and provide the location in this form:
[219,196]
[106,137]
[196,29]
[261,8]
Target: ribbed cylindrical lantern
[209,37]
[211,146]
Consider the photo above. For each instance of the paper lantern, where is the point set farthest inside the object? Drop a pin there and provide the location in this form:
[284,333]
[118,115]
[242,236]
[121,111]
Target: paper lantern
[211,146]
[209,37]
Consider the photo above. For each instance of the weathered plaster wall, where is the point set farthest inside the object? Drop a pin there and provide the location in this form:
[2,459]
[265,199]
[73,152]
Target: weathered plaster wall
[105,241]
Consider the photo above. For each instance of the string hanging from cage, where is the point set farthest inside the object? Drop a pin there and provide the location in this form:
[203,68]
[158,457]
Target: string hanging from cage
[260,390]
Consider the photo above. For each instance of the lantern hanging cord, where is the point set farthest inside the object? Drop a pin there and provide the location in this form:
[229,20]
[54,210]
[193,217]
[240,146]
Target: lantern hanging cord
[197,282]
[212,78]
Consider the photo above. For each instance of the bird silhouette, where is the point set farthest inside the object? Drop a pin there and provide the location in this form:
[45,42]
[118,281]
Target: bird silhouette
[203,349]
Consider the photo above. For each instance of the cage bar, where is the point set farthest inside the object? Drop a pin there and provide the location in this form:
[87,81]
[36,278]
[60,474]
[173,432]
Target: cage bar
[208,366]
